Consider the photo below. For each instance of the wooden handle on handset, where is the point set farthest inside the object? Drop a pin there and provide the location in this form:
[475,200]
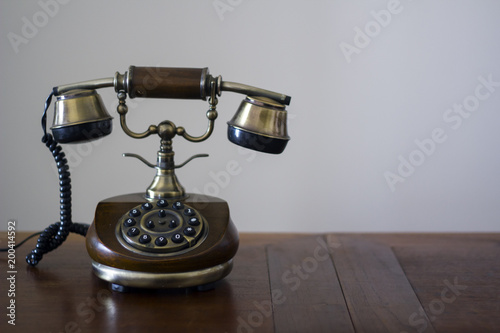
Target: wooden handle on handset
[167,82]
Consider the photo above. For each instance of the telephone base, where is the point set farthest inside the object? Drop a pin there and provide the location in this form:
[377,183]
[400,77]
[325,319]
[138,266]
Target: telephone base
[199,257]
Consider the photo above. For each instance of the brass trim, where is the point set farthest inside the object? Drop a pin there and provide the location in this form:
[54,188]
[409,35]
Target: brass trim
[254,91]
[79,107]
[136,279]
[204,74]
[261,116]
[85,85]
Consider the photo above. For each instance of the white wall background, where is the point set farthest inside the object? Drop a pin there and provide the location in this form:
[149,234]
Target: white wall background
[360,103]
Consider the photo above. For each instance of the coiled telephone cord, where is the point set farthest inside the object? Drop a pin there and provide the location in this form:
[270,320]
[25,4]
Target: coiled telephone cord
[55,234]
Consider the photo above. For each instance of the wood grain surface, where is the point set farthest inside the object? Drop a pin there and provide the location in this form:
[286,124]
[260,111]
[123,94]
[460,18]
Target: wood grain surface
[280,283]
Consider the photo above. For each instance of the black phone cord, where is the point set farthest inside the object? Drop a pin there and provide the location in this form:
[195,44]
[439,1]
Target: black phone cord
[56,233]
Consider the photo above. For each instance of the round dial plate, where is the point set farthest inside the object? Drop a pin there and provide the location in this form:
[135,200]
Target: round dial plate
[162,227]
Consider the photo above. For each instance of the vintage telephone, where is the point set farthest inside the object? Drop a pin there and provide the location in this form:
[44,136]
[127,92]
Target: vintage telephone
[164,237]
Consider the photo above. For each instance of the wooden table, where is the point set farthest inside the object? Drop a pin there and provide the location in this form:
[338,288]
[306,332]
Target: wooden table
[280,283]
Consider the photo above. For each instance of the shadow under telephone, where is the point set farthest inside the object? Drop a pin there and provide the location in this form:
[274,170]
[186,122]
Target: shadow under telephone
[165,237]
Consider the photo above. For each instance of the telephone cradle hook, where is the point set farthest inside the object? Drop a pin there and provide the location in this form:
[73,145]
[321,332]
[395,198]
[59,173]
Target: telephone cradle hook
[151,165]
[165,183]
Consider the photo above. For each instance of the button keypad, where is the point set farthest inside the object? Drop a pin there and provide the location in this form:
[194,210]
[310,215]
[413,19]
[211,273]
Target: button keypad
[189,231]
[177,238]
[150,224]
[134,212]
[161,241]
[144,239]
[162,203]
[147,206]
[162,227]
[133,232]
[130,222]
[178,205]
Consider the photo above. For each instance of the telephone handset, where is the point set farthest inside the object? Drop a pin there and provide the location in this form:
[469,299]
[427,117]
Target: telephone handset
[163,237]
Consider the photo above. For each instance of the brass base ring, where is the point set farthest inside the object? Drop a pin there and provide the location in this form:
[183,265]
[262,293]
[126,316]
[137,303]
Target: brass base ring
[137,279]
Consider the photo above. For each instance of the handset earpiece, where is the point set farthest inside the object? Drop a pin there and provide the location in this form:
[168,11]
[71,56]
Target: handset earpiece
[80,115]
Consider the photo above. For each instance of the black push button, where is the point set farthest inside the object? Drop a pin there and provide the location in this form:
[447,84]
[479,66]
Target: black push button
[144,239]
[147,206]
[150,224]
[194,221]
[129,222]
[161,241]
[172,224]
[189,212]
[189,231]
[133,232]
[162,213]
[178,205]
[177,238]
[162,203]
[134,212]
